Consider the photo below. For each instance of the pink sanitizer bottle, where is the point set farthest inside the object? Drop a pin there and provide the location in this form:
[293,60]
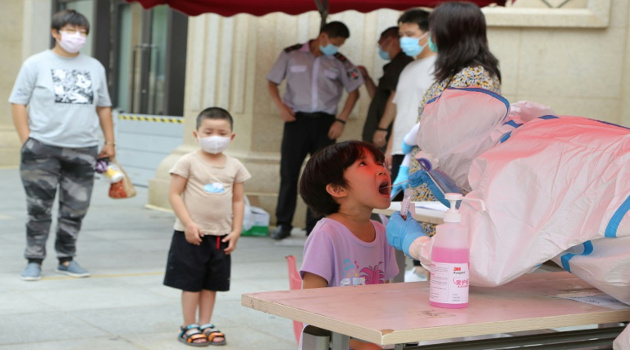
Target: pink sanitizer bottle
[448,286]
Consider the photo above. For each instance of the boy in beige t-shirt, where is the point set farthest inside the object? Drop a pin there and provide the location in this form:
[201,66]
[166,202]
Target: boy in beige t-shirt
[207,195]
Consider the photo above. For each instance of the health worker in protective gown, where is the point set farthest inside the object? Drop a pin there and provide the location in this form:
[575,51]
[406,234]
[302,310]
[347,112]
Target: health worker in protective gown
[554,187]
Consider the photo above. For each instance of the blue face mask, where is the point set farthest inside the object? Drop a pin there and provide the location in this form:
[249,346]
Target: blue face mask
[411,46]
[384,54]
[432,45]
[329,49]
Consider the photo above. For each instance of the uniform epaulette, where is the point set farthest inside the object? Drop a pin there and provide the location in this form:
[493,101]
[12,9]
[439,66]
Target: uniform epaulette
[340,57]
[292,48]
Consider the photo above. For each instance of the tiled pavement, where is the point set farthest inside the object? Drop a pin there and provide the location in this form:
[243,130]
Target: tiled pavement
[124,305]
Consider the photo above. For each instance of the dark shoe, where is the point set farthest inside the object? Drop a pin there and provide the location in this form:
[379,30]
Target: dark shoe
[282,232]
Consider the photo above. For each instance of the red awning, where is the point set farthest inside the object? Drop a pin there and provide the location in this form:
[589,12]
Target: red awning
[292,7]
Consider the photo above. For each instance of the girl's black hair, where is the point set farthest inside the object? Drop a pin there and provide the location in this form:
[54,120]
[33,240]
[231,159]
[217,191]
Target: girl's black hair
[327,167]
[458,29]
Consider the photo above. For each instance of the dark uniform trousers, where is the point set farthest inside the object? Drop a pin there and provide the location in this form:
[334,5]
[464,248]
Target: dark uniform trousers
[306,135]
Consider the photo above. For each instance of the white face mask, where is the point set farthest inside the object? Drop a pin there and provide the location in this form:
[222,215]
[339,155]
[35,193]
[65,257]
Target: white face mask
[214,144]
[71,42]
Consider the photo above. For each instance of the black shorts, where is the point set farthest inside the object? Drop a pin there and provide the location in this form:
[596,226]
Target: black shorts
[192,268]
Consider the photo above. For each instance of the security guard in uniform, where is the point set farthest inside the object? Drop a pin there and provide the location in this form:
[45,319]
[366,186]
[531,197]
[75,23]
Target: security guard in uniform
[316,73]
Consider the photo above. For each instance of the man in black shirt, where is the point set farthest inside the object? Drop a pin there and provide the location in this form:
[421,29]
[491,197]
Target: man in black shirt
[389,50]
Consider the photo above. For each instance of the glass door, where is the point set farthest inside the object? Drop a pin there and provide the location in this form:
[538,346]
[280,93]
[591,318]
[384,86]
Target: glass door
[146,42]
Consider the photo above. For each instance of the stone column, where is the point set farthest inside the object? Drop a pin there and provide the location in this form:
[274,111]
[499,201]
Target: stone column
[227,61]
[22,33]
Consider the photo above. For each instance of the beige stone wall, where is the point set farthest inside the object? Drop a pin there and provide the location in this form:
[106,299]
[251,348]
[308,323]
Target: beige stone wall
[574,59]
[22,33]
[231,57]
[11,55]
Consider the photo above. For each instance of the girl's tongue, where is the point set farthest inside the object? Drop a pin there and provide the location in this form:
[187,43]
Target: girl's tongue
[384,188]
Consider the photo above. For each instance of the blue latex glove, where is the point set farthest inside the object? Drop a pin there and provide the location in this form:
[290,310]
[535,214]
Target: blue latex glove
[406,148]
[419,177]
[401,233]
[403,175]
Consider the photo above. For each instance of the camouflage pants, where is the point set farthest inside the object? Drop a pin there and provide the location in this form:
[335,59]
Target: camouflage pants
[43,169]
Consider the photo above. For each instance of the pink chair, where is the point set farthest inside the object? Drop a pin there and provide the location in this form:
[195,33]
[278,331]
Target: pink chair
[295,283]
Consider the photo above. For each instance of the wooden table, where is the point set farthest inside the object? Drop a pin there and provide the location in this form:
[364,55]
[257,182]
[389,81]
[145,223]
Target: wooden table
[399,313]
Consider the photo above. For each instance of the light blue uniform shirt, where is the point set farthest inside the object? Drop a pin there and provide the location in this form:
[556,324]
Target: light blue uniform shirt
[314,84]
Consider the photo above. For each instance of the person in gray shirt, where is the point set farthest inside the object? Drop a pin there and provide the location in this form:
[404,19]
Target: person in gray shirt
[316,74]
[58,103]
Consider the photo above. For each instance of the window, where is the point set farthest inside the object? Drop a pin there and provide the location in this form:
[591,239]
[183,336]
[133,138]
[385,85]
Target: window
[143,51]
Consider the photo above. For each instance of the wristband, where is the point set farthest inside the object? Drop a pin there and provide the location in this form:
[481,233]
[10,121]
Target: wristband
[341,121]
[110,143]
[382,129]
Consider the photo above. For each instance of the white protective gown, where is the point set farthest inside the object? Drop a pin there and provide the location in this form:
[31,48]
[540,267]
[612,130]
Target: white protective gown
[555,188]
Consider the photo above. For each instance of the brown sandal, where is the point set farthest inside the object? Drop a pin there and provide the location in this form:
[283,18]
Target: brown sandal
[191,335]
[210,332]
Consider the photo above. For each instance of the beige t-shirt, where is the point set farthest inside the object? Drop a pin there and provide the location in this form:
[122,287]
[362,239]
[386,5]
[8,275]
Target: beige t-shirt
[208,192]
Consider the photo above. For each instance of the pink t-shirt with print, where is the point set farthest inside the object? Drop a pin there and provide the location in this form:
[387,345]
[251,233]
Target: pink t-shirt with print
[335,254]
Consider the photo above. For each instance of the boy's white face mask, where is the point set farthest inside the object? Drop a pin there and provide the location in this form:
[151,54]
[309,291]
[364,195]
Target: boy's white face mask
[214,144]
